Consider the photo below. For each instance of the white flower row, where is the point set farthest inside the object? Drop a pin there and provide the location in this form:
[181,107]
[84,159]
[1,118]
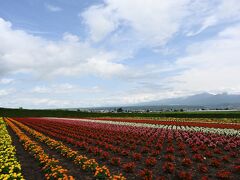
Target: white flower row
[220,131]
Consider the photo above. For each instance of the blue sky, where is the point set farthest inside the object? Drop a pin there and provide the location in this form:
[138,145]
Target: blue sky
[76,53]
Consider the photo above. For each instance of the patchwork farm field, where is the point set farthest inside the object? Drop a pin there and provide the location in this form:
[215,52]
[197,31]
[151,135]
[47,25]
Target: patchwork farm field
[108,148]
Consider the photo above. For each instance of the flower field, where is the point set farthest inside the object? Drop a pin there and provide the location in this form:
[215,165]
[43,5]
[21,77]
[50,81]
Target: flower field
[130,149]
[10,168]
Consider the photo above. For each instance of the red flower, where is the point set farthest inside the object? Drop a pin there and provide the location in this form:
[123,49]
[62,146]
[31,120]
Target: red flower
[104,154]
[208,153]
[168,167]
[169,157]
[125,152]
[151,161]
[170,149]
[186,162]
[236,169]
[204,178]
[203,147]
[133,147]
[115,161]
[203,168]
[233,154]
[198,157]
[181,146]
[223,174]
[160,178]
[195,149]
[136,156]
[145,150]
[183,152]
[128,167]
[225,158]
[184,175]
[215,162]
[158,146]
[217,151]
[155,153]
[146,174]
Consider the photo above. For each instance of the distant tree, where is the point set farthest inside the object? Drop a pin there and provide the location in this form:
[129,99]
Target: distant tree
[181,110]
[119,109]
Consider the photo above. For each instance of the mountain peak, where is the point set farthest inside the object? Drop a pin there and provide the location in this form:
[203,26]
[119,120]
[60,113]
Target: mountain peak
[201,99]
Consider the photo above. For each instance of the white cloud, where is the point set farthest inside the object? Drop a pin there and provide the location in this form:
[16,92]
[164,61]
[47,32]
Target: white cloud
[70,37]
[22,52]
[53,8]
[212,65]
[6,80]
[134,96]
[101,21]
[65,88]
[231,32]
[218,13]
[55,95]
[3,92]
[126,27]
[150,21]
[31,102]
[209,66]
[40,89]
[6,92]
[101,65]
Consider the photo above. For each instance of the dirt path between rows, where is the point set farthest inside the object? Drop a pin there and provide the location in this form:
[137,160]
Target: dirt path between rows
[30,168]
[73,169]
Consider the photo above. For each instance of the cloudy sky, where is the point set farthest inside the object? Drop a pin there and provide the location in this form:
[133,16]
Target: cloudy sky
[78,53]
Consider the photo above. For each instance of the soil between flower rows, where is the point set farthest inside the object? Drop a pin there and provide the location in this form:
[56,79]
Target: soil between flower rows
[73,169]
[155,169]
[30,167]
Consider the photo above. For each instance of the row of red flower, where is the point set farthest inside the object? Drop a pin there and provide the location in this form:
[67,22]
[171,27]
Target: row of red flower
[175,148]
[132,136]
[50,165]
[100,172]
[176,123]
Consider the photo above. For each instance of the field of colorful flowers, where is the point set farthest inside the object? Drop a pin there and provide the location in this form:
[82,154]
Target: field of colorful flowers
[121,149]
[10,168]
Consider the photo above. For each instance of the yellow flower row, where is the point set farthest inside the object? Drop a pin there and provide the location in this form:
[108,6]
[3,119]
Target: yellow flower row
[10,168]
[100,172]
[49,165]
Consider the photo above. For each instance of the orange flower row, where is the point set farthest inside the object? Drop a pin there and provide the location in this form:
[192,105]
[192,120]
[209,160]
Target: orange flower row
[49,165]
[100,172]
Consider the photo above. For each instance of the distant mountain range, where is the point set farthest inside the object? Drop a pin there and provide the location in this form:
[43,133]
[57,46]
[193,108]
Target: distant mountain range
[203,99]
[207,101]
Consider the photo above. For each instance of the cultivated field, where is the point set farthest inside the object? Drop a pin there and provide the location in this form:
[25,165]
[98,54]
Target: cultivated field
[107,148]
